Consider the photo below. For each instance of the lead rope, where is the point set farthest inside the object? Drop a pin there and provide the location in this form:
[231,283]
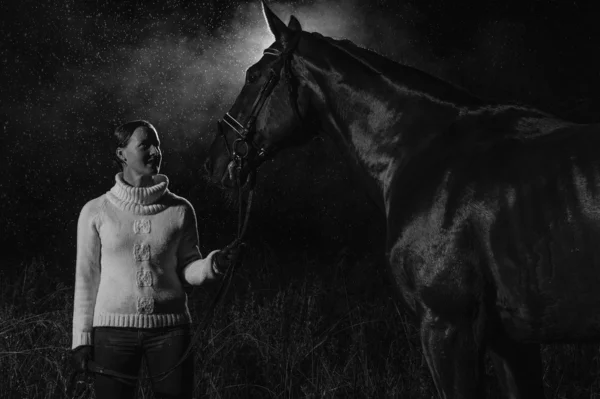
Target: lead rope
[94,367]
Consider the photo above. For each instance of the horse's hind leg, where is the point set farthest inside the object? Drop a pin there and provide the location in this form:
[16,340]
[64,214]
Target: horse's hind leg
[518,367]
[455,356]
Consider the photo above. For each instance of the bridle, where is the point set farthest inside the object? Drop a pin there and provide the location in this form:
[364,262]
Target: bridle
[246,129]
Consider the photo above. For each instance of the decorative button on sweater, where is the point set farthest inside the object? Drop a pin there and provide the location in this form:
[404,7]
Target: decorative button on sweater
[141,252]
[141,226]
[136,247]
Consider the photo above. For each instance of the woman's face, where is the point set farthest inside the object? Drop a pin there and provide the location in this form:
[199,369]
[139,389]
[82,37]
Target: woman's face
[142,153]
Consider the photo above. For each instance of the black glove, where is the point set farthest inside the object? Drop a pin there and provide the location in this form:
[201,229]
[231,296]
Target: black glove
[80,357]
[226,257]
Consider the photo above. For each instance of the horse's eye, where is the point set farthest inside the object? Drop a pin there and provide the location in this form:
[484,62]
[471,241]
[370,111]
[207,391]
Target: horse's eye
[252,77]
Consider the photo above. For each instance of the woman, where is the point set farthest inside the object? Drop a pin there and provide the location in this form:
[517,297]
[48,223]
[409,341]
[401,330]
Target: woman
[137,245]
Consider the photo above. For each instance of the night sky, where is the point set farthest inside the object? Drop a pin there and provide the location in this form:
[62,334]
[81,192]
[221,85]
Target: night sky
[71,71]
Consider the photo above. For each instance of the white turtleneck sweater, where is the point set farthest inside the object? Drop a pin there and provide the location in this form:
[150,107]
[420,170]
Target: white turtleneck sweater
[135,247]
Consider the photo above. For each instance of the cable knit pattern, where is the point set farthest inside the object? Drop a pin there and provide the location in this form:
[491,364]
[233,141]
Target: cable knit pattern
[135,248]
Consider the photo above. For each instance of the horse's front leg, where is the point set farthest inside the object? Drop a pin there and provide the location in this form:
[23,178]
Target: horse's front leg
[455,355]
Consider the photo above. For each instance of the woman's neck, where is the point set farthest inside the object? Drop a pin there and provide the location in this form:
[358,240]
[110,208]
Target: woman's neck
[136,180]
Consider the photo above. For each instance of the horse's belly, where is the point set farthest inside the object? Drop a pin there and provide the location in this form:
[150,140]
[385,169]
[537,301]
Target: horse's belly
[569,324]
[563,306]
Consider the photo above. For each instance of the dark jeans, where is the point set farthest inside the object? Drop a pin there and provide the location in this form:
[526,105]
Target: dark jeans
[122,350]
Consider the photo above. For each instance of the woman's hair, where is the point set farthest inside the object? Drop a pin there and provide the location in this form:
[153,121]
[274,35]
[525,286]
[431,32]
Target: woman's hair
[123,133]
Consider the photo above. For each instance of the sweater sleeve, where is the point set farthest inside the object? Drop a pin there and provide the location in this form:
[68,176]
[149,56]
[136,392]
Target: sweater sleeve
[194,269]
[87,275]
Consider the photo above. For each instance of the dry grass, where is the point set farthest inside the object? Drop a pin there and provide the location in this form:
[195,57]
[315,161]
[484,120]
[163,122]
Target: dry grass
[317,334]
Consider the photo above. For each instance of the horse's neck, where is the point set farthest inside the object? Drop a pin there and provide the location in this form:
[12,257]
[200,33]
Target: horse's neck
[361,124]
[360,130]
[377,123]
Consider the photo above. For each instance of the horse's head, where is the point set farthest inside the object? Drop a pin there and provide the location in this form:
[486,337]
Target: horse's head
[268,113]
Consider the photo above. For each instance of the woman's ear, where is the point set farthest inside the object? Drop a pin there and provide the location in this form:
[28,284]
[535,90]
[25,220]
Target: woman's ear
[120,155]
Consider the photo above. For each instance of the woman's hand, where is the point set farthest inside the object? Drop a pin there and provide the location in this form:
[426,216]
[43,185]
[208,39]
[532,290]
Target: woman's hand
[226,257]
[80,357]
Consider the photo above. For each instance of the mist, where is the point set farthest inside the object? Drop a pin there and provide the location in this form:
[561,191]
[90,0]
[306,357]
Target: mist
[79,72]
[112,72]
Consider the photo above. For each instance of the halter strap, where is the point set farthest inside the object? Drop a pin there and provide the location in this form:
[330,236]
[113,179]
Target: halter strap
[272,51]
[245,128]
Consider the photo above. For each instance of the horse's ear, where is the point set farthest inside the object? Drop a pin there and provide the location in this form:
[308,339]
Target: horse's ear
[294,24]
[278,28]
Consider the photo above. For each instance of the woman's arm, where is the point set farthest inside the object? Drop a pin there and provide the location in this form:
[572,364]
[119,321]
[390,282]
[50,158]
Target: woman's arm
[87,275]
[194,269]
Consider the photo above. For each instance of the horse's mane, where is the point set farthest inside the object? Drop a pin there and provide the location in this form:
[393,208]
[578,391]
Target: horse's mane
[383,65]
[356,52]
[440,88]
[369,58]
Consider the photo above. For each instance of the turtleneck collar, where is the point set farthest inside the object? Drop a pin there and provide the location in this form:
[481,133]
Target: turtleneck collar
[139,200]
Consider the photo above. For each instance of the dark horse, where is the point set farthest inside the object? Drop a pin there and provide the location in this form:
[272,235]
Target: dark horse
[492,210]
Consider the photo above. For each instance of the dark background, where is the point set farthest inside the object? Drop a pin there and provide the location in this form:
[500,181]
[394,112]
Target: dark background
[71,71]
